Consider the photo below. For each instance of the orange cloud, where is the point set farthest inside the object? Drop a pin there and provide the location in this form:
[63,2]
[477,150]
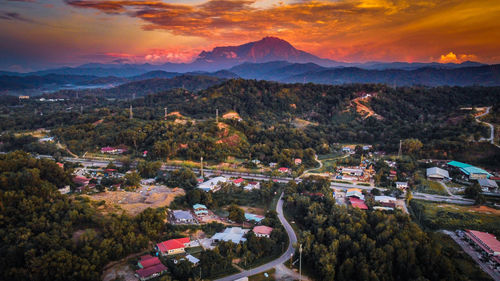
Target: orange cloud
[452,58]
[350,30]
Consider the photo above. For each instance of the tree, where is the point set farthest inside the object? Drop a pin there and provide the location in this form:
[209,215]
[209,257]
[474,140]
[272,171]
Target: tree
[412,146]
[132,179]
[236,214]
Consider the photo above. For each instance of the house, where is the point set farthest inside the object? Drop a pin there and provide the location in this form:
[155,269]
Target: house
[233,234]
[173,246]
[81,181]
[262,231]
[355,192]
[46,139]
[150,267]
[367,147]
[238,181]
[484,241]
[254,217]
[150,272]
[487,184]
[386,201]
[298,161]
[109,150]
[358,203]
[181,216]
[147,261]
[200,210]
[256,161]
[436,173]
[24,97]
[402,185]
[284,170]
[212,184]
[61,165]
[252,185]
[272,164]
[392,174]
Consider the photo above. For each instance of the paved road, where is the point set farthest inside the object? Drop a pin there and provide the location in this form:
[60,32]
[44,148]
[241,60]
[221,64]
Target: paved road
[286,256]
[473,254]
[491,139]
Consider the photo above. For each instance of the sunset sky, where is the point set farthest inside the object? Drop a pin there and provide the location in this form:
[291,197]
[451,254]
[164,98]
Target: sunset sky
[36,34]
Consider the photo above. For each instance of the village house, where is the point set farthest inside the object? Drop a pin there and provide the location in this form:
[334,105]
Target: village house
[358,203]
[298,161]
[149,267]
[252,185]
[402,185]
[200,210]
[181,216]
[284,170]
[238,181]
[172,246]
[485,242]
[355,192]
[262,231]
[109,150]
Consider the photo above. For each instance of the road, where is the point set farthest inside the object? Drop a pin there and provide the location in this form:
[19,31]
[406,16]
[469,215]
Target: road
[252,176]
[473,254]
[282,259]
[491,139]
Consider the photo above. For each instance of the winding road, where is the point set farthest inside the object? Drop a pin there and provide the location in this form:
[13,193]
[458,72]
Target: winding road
[292,239]
[491,139]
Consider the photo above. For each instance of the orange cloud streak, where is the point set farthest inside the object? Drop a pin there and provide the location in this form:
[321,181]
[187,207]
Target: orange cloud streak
[345,30]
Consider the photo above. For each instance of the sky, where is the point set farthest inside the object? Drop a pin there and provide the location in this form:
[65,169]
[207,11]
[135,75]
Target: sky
[38,34]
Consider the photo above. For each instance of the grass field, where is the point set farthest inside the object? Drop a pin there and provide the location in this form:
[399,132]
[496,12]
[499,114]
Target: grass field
[437,216]
[431,187]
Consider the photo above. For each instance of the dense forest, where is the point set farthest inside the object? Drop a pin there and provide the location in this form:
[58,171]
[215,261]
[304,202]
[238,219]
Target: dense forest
[45,235]
[295,120]
[342,243]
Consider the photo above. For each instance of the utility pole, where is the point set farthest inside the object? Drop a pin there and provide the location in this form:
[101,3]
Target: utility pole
[291,260]
[399,152]
[300,262]
[201,160]
[81,109]
[131,112]
[216,115]
[166,113]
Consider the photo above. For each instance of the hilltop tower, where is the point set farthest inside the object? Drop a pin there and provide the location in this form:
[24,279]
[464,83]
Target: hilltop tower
[131,113]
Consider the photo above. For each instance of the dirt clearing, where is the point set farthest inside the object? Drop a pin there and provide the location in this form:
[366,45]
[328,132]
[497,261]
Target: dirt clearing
[136,202]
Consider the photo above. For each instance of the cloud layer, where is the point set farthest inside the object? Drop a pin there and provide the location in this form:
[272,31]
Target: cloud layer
[345,29]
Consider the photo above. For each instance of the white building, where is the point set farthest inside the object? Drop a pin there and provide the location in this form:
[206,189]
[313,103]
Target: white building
[212,184]
[233,234]
[252,185]
[437,173]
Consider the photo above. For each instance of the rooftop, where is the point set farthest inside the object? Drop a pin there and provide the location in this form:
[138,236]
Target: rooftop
[182,215]
[173,244]
[262,229]
[458,164]
[486,239]
[146,272]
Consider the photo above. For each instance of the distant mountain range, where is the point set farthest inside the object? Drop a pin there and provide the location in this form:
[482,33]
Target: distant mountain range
[267,59]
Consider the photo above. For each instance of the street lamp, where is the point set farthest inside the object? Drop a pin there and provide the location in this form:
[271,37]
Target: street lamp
[300,262]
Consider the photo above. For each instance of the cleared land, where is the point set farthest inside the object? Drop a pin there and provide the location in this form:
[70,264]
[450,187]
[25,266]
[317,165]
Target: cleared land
[431,187]
[450,216]
[135,202]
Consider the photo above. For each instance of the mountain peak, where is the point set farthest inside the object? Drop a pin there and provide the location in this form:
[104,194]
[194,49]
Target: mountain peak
[265,50]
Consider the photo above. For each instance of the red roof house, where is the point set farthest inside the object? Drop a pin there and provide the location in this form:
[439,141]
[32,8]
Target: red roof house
[173,246]
[358,203]
[148,261]
[283,170]
[81,180]
[262,231]
[150,272]
[108,149]
[238,181]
